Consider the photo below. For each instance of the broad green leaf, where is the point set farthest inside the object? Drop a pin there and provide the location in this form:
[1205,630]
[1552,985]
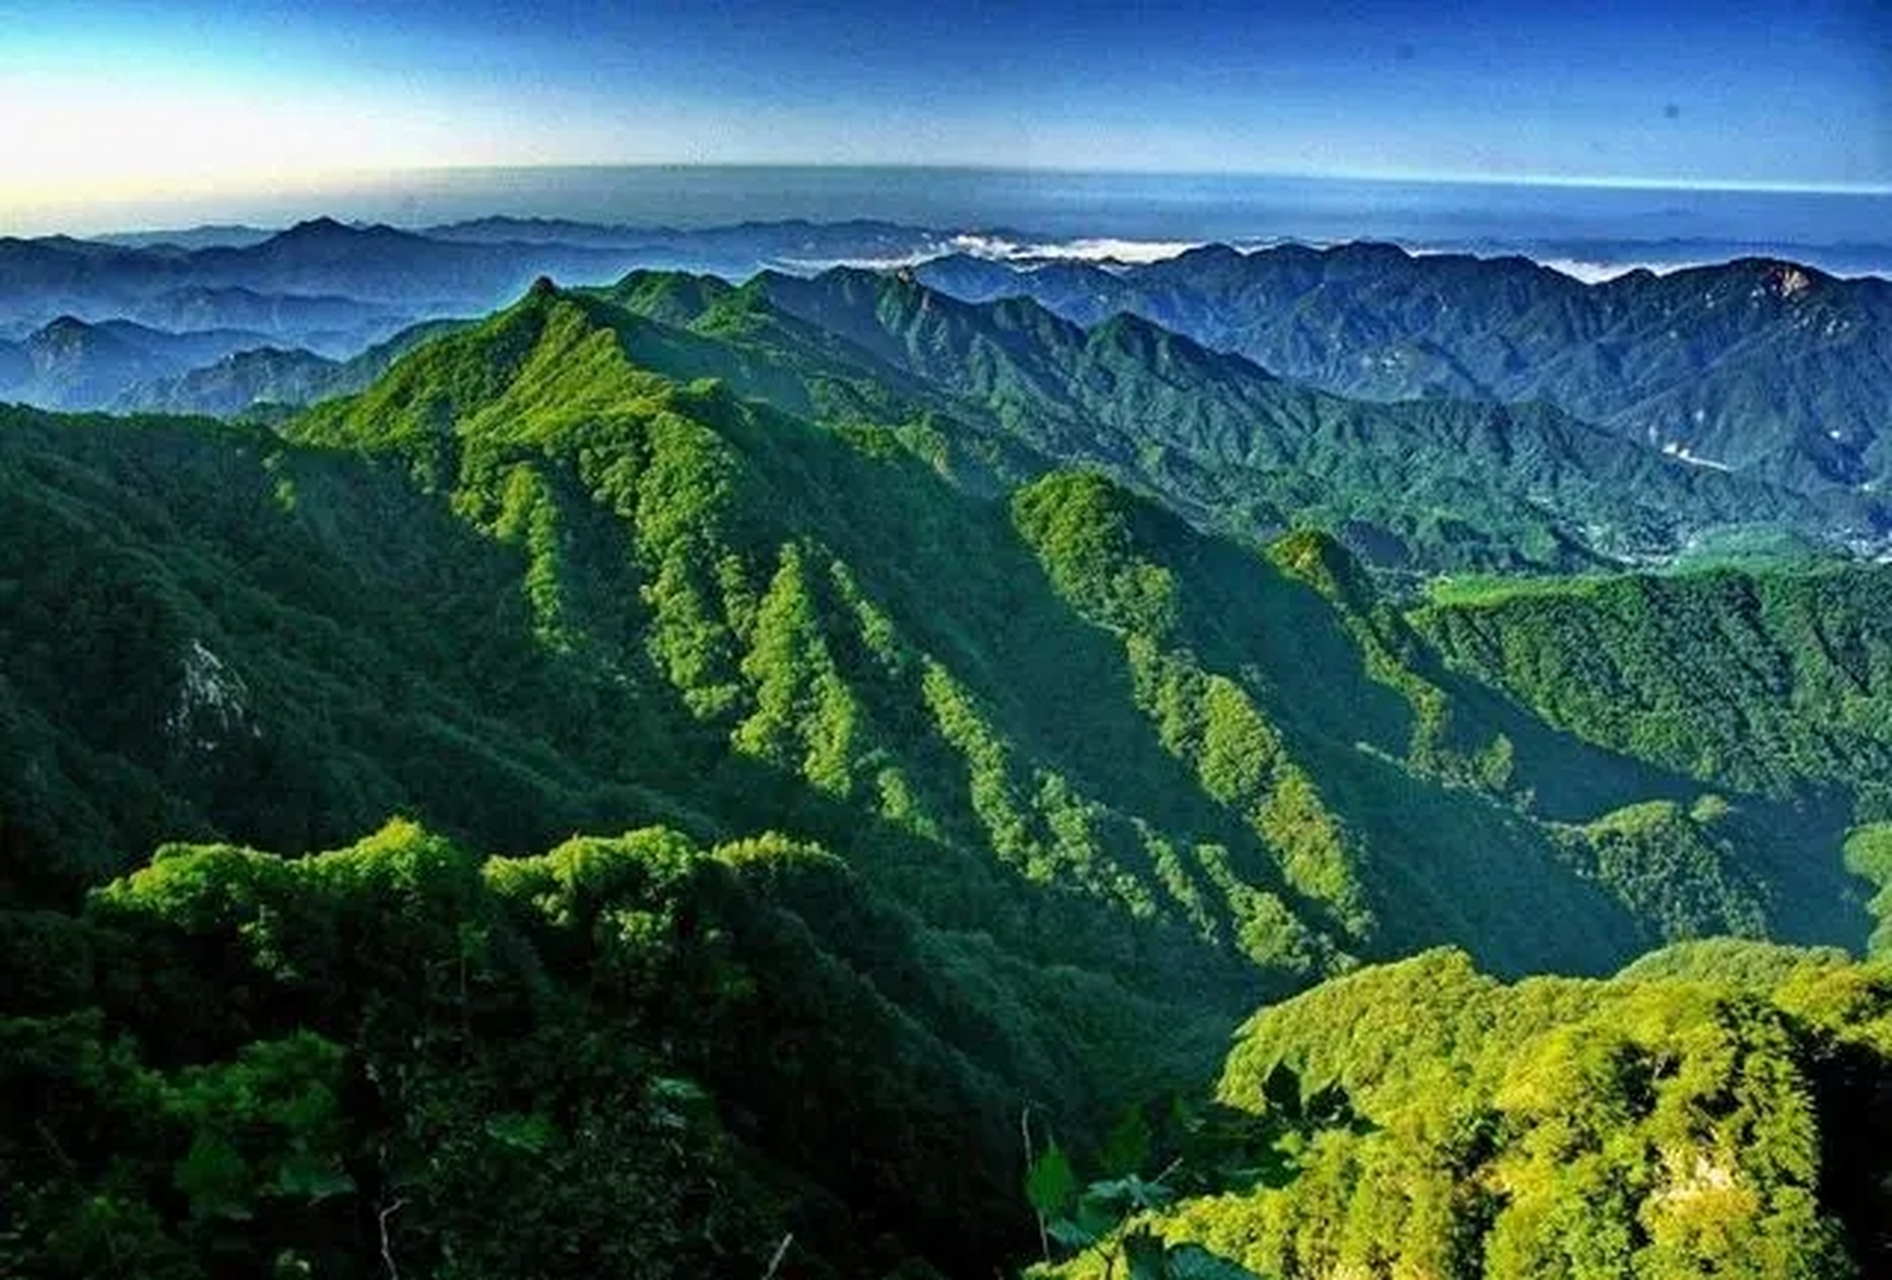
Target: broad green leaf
[1050,1185]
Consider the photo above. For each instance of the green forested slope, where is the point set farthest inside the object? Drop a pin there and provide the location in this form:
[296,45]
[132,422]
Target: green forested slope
[1440,483]
[1776,682]
[1091,785]
[1074,773]
[1763,679]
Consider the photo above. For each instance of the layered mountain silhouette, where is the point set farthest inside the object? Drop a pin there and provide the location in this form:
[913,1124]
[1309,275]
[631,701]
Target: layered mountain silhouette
[1757,368]
[1755,365]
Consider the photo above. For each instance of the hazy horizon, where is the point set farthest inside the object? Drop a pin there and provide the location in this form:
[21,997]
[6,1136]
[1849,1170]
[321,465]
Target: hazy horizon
[1049,203]
[114,105]
[1590,231]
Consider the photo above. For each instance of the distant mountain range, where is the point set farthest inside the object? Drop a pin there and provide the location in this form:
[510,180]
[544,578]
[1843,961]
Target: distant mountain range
[325,289]
[1438,482]
[269,376]
[321,258]
[122,365]
[72,364]
[1493,407]
[1755,365]
[322,275]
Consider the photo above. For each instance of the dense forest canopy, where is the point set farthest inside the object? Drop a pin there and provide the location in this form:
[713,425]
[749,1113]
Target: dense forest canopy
[681,778]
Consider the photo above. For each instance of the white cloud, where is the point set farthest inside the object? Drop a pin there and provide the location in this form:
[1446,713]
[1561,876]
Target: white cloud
[1596,272]
[1099,249]
[1016,253]
[892,263]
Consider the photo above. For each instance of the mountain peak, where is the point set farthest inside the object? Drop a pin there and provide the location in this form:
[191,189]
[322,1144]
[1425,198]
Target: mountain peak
[1378,252]
[1206,254]
[1785,280]
[317,228]
[1324,563]
[325,231]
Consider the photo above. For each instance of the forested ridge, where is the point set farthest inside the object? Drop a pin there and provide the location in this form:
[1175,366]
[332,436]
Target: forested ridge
[1767,367]
[675,779]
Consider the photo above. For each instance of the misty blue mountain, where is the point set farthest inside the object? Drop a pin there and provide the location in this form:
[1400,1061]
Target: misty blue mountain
[1758,387]
[1755,365]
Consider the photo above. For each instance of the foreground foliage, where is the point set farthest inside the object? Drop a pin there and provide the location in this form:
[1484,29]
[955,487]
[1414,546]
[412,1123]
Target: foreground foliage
[660,1059]
[1717,1110]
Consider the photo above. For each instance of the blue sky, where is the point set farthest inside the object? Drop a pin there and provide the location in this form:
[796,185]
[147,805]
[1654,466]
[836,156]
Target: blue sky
[106,100]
